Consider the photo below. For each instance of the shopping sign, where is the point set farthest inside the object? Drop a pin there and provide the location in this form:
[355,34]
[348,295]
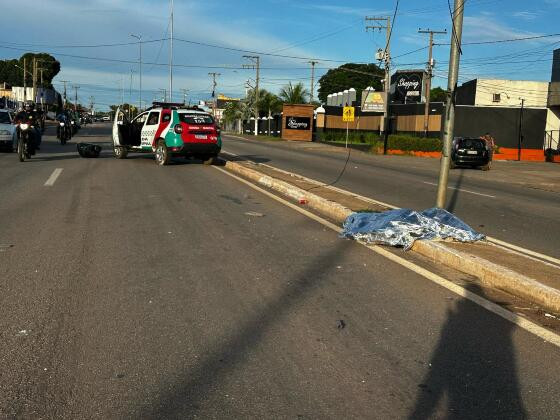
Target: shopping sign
[348,114]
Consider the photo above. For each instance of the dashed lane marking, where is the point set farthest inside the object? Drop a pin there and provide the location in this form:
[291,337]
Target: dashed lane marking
[54,176]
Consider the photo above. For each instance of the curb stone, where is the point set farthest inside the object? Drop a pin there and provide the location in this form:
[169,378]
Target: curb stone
[489,273]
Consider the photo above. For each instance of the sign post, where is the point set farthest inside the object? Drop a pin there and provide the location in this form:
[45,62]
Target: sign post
[347,116]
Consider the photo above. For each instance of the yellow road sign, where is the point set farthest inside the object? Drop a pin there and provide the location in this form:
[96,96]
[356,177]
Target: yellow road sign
[348,114]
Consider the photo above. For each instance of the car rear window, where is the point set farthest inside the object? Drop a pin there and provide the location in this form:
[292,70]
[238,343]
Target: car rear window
[4,118]
[196,118]
[477,144]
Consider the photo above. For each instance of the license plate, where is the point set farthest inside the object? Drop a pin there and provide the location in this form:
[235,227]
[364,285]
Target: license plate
[200,136]
[472,152]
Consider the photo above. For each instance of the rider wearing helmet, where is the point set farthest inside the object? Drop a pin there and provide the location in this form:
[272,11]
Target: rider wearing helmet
[28,115]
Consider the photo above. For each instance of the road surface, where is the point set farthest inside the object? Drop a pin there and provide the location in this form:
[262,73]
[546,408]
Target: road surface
[136,291]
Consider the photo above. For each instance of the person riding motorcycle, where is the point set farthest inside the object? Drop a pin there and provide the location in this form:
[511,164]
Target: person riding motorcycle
[28,116]
[62,117]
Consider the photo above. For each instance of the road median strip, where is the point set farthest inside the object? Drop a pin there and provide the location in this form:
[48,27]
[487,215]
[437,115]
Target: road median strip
[493,265]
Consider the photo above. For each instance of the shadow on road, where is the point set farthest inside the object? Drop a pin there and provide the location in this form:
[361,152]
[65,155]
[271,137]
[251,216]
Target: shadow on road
[251,158]
[453,200]
[473,368]
[185,397]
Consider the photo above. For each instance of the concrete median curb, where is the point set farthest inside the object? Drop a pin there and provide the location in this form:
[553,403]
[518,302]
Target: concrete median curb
[489,273]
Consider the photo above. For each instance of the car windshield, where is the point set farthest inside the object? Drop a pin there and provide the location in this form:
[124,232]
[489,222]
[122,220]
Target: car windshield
[471,144]
[196,118]
[5,118]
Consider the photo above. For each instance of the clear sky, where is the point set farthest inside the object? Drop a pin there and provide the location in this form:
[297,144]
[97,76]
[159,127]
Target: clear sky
[325,30]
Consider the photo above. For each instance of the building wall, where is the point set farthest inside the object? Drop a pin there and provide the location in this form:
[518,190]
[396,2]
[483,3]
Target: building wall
[503,124]
[535,93]
[553,128]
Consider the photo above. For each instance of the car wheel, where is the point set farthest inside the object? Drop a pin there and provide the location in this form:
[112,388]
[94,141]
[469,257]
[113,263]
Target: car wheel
[120,152]
[163,157]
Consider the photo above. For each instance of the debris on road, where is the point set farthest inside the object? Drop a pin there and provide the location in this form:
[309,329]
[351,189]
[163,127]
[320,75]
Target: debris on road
[23,333]
[401,227]
[254,213]
[303,200]
[4,247]
[341,324]
[550,316]
[88,150]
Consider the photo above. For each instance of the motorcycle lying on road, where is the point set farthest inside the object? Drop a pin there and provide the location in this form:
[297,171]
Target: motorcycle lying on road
[64,132]
[25,140]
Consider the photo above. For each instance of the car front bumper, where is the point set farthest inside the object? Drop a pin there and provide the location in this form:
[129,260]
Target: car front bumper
[470,160]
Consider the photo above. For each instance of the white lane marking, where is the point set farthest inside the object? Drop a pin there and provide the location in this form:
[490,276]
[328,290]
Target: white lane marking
[526,252]
[462,189]
[52,179]
[521,322]
[511,247]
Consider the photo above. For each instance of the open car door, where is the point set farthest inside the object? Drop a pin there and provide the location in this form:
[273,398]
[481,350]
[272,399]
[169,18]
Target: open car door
[121,129]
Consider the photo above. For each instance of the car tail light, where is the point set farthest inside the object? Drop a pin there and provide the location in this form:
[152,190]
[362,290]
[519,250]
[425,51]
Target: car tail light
[178,128]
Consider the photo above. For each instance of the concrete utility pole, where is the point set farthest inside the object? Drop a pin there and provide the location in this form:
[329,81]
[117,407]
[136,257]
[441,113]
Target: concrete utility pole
[91,104]
[184,91]
[130,95]
[386,57]
[139,37]
[520,137]
[76,87]
[311,91]
[449,122]
[171,58]
[64,94]
[256,65]
[34,76]
[428,81]
[214,84]
[24,80]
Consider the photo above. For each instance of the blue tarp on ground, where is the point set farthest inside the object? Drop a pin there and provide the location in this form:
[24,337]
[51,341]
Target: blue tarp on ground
[401,227]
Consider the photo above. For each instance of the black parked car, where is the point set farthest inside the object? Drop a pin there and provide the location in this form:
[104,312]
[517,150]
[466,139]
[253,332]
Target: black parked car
[473,152]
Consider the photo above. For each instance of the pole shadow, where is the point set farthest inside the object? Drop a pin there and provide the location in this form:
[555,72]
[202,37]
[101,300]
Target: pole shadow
[453,200]
[185,398]
[473,368]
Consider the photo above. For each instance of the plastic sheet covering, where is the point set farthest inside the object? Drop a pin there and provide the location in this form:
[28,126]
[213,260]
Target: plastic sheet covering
[402,227]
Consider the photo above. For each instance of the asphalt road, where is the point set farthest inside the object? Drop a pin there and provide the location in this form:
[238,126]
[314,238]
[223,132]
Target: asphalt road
[515,202]
[135,291]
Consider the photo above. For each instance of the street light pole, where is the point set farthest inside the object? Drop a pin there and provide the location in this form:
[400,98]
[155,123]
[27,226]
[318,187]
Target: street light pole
[449,122]
[139,37]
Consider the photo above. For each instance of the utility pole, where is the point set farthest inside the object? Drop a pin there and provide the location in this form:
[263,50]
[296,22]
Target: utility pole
[449,121]
[130,96]
[256,65]
[386,57]
[24,80]
[215,99]
[184,91]
[430,74]
[139,37]
[171,58]
[91,104]
[34,76]
[520,137]
[64,95]
[312,80]
[76,87]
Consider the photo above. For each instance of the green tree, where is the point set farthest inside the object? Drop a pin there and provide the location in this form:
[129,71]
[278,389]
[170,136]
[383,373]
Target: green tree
[350,75]
[294,94]
[13,75]
[438,95]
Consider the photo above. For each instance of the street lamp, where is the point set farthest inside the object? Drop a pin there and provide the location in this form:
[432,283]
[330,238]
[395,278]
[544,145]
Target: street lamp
[139,38]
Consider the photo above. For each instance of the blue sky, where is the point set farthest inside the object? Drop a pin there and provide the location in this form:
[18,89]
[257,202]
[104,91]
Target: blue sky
[325,30]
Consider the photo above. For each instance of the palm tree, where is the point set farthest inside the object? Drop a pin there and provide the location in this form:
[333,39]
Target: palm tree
[269,102]
[294,94]
[236,111]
